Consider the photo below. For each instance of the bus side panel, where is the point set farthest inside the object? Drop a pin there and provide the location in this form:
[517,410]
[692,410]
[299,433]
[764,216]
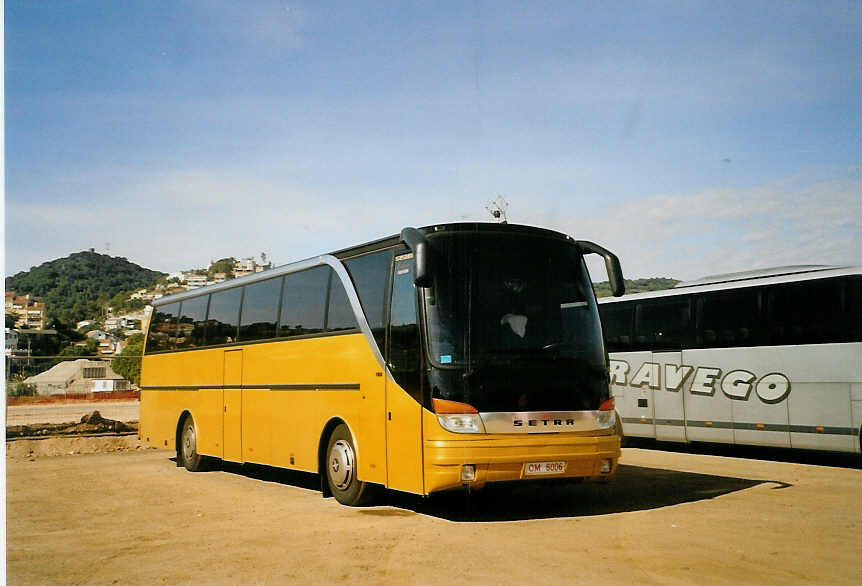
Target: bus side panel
[160,414]
[708,415]
[257,426]
[404,459]
[292,430]
[634,404]
[856,407]
[293,416]
[668,405]
[756,422]
[161,409]
[822,378]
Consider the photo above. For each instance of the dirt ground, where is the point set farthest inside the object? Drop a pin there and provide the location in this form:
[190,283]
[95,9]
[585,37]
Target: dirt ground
[131,516]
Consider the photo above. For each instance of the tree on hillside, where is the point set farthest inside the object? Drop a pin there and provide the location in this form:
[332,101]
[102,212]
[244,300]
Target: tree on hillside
[603,288]
[78,286]
[128,364]
[222,265]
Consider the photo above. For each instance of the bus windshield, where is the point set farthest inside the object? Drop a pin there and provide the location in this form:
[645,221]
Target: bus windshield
[512,324]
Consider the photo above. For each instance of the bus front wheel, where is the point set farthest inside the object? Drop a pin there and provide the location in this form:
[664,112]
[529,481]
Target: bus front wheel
[341,469]
[188,449]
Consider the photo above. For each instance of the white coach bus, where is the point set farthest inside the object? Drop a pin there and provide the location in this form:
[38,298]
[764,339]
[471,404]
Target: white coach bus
[770,357]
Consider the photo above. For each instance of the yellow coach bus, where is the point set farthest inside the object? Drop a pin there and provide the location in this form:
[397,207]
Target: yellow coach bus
[447,356]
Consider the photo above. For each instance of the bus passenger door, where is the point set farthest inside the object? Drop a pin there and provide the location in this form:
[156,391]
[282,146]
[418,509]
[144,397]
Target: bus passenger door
[667,400]
[404,466]
[232,403]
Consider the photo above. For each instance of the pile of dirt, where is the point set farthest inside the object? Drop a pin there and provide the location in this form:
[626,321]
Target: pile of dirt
[31,449]
[91,423]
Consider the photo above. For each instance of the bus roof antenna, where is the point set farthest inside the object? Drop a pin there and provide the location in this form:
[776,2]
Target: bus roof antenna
[497,208]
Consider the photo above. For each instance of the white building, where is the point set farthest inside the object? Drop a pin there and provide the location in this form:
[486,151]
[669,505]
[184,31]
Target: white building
[11,341]
[76,377]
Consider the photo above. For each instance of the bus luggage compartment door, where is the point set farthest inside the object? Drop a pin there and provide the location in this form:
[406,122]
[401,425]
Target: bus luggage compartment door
[232,406]
[667,400]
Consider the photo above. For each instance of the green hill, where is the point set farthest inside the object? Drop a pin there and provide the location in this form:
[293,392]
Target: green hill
[76,287]
[603,289]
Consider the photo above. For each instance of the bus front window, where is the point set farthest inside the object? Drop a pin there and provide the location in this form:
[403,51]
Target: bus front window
[512,325]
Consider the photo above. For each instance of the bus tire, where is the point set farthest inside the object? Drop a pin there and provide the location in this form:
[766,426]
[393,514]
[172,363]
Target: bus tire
[187,451]
[341,469]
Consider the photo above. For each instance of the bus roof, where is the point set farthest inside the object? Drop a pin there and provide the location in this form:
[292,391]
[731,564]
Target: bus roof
[740,280]
[379,244]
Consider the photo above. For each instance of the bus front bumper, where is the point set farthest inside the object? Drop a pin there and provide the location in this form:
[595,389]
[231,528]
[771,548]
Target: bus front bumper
[499,458]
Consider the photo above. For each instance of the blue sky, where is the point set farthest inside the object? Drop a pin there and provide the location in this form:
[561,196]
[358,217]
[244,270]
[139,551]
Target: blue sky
[691,138]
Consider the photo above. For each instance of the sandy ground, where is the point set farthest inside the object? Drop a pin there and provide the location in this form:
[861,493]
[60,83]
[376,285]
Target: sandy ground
[133,517]
[72,411]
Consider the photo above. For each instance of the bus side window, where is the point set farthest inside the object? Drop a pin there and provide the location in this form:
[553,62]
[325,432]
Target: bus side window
[339,315]
[617,325]
[403,354]
[163,328]
[370,276]
[223,316]
[303,305]
[260,310]
[807,312]
[663,324]
[853,308]
[729,318]
[193,322]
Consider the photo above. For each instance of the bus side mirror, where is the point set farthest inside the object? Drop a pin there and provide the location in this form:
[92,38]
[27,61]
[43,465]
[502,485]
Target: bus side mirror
[612,264]
[417,242]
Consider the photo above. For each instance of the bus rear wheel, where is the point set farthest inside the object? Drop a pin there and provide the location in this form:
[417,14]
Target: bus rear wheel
[341,470]
[188,448]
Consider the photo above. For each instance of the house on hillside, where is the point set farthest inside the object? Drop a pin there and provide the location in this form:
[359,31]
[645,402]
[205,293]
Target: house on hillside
[77,377]
[11,341]
[28,312]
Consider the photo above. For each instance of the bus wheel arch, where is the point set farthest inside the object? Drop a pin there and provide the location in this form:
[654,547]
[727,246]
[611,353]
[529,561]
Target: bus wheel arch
[337,465]
[186,444]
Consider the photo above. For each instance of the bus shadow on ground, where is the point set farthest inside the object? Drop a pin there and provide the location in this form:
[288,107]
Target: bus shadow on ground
[634,488]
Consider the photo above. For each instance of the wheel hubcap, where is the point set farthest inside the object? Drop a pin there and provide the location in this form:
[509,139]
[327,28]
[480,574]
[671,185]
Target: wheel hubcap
[189,442]
[341,464]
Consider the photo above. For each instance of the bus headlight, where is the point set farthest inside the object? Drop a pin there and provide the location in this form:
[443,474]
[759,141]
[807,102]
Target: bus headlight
[606,419]
[461,422]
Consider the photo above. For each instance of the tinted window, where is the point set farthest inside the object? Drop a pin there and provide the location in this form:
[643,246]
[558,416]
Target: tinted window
[260,310]
[853,308]
[809,312]
[163,328]
[193,315]
[663,324]
[617,325]
[340,315]
[303,306]
[403,356]
[223,319]
[730,319]
[370,275]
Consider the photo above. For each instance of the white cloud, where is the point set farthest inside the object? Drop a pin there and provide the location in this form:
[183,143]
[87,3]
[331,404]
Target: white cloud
[686,236]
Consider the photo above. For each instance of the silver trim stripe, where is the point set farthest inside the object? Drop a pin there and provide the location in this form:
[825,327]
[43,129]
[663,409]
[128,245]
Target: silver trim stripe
[546,421]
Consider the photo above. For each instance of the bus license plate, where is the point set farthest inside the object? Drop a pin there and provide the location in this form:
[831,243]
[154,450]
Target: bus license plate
[540,468]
